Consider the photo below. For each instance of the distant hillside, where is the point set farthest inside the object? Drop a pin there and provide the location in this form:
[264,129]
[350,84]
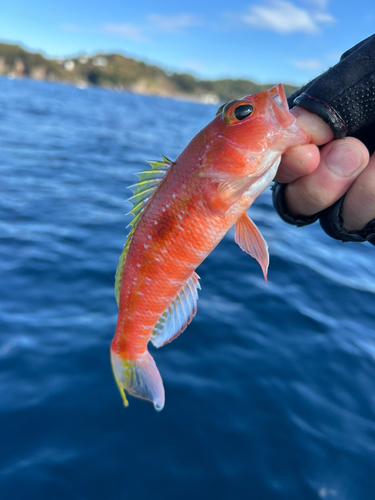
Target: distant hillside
[122,73]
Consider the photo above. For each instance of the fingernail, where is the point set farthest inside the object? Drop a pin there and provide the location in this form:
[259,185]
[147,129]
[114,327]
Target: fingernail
[344,160]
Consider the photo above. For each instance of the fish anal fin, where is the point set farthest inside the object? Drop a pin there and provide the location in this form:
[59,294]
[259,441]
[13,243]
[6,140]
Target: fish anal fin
[138,377]
[179,313]
[249,239]
[229,192]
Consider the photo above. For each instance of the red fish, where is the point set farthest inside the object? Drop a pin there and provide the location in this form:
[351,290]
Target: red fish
[182,210]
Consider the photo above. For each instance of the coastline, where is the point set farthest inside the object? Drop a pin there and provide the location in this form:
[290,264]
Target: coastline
[120,73]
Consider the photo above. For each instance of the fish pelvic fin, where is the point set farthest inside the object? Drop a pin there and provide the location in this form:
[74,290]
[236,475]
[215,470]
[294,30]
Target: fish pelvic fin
[249,239]
[138,377]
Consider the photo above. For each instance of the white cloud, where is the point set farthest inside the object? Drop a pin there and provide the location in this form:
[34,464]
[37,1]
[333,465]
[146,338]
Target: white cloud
[309,64]
[130,31]
[153,24]
[322,4]
[172,23]
[284,17]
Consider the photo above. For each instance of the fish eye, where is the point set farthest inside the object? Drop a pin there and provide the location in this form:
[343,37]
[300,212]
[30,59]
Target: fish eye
[243,111]
[236,111]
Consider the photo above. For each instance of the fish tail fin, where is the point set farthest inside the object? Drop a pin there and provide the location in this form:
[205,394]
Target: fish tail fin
[139,377]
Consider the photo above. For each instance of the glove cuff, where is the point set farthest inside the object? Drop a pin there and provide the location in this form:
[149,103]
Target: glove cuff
[332,223]
[279,202]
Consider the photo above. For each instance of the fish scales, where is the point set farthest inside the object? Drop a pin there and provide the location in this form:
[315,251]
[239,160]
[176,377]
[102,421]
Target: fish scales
[206,191]
[169,262]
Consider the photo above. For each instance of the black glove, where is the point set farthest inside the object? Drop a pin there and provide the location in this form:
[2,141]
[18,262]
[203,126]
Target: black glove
[344,97]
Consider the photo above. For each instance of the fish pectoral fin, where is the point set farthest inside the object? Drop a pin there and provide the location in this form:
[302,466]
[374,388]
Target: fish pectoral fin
[178,315]
[249,239]
[229,192]
[139,377]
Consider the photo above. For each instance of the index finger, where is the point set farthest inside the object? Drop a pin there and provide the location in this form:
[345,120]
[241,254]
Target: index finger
[319,130]
[303,160]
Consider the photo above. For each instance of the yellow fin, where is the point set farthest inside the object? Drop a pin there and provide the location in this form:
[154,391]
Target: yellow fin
[149,180]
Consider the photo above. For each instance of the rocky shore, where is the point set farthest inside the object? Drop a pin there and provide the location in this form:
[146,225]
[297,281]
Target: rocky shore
[121,73]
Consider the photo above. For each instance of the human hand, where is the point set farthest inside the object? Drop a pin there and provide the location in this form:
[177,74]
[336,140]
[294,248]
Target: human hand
[318,178]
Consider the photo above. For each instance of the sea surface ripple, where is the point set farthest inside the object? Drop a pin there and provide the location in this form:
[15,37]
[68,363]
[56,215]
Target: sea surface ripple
[269,392]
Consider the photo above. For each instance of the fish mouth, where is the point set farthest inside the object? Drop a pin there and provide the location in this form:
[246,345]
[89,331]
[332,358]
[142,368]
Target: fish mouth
[279,107]
[277,94]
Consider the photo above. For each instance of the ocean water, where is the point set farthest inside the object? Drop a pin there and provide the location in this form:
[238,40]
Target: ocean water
[270,392]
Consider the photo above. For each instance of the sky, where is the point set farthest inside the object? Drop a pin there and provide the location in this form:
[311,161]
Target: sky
[265,41]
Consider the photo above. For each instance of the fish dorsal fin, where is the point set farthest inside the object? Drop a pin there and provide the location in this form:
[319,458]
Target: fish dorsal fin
[149,180]
[229,192]
[249,239]
[178,315]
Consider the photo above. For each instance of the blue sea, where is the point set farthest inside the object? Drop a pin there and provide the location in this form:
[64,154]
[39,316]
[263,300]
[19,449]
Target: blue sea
[270,392]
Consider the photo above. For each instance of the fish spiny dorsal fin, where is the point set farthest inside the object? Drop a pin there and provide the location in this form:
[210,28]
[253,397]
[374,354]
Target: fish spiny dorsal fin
[143,190]
[149,180]
[178,315]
